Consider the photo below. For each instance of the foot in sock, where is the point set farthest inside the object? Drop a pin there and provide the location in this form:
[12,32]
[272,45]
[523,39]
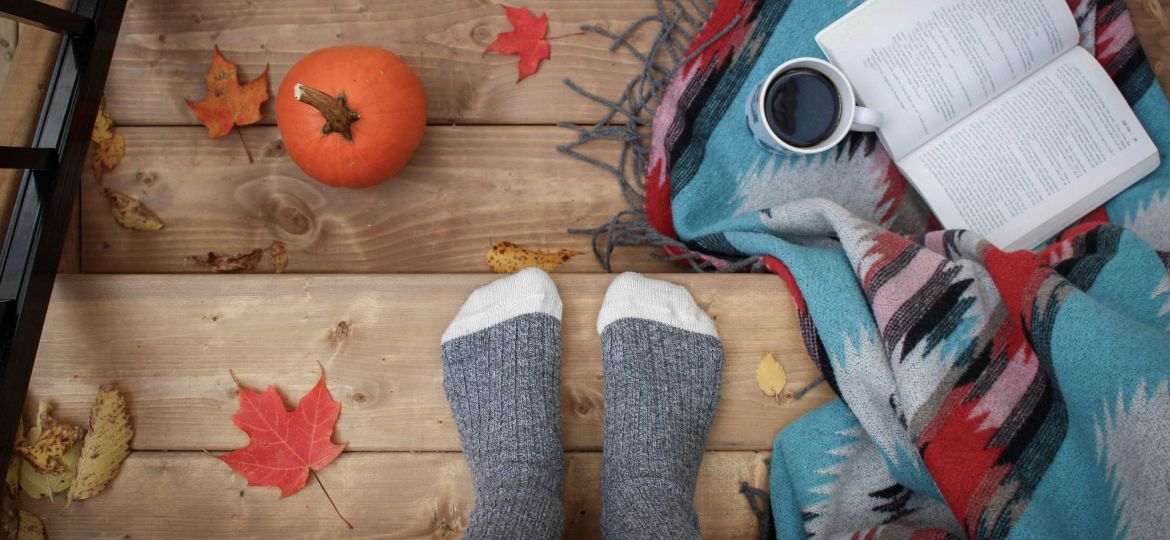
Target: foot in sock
[502,376]
[662,360]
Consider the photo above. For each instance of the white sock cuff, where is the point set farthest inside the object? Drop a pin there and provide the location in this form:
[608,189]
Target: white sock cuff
[527,291]
[632,295]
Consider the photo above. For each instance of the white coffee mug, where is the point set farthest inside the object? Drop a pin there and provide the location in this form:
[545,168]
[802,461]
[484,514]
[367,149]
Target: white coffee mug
[852,117]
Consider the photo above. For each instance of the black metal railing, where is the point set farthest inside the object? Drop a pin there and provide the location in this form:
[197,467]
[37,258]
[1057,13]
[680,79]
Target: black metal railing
[49,187]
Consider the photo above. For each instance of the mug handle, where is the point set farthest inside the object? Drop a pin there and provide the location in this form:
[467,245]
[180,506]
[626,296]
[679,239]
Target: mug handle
[866,119]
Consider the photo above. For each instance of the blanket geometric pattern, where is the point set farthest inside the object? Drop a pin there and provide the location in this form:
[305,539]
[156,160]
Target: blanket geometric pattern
[982,393]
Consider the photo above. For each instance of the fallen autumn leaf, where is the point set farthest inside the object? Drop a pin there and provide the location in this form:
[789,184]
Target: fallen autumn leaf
[131,213]
[106,445]
[506,258]
[224,263]
[284,446]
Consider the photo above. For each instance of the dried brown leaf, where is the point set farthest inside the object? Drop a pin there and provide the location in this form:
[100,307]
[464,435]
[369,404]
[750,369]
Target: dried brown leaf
[279,256]
[131,213]
[223,263]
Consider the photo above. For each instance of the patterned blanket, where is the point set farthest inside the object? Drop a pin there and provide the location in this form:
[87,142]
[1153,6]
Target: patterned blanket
[982,393]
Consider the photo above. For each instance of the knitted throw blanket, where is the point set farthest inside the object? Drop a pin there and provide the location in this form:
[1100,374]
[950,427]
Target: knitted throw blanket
[982,393]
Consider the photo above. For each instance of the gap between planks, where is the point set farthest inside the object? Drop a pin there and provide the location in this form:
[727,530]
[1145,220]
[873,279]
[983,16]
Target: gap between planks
[169,342]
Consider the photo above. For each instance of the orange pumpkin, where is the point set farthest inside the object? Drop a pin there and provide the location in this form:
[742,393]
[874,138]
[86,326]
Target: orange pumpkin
[351,116]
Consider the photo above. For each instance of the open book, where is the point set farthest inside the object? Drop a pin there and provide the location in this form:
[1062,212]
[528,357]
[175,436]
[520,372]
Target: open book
[993,112]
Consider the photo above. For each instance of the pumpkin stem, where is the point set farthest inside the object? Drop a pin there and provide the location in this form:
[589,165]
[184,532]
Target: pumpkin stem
[338,116]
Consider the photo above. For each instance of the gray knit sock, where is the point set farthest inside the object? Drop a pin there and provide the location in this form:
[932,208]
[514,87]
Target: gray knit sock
[502,375]
[662,360]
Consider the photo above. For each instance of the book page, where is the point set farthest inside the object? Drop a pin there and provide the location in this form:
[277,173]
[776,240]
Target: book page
[926,64]
[1036,158]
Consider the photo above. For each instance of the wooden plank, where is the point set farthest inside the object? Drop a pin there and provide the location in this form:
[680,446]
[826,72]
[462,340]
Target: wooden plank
[1151,19]
[165,46]
[466,188]
[170,341]
[384,494]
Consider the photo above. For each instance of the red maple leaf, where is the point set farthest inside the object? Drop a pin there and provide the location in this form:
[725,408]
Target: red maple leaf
[528,39]
[285,445]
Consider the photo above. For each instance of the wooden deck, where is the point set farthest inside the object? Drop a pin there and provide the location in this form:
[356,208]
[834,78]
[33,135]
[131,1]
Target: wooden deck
[412,250]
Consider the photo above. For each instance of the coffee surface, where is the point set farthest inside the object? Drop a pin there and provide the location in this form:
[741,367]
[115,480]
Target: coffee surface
[803,107]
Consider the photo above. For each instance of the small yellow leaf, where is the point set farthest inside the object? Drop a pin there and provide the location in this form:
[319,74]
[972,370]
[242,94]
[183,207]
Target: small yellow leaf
[105,447]
[770,376]
[111,145]
[31,527]
[279,256]
[103,127]
[507,258]
[39,484]
[52,439]
[109,154]
[131,213]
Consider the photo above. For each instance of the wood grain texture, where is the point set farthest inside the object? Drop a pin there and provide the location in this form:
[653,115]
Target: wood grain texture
[465,188]
[1151,19]
[165,46]
[384,494]
[170,341]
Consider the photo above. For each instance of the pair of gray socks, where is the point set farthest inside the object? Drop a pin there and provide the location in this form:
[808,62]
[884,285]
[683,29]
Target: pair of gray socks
[501,371]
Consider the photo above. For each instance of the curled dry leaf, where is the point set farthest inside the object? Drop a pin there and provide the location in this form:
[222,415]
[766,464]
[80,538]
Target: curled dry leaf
[224,263]
[131,213]
[279,256]
[770,376]
[53,439]
[506,258]
[106,445]
[31,527]
[111,145]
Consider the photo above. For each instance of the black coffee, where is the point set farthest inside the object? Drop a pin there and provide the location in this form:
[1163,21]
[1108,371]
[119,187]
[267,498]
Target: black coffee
[803,107]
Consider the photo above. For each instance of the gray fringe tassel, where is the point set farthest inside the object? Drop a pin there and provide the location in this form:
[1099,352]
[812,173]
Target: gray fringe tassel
[627,122]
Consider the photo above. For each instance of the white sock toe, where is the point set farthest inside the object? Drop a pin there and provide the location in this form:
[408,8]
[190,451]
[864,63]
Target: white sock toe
[632,295]
[527,291]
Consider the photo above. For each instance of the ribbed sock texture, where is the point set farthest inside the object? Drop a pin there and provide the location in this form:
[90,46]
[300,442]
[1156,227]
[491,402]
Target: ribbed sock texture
[503,384]
[662,386]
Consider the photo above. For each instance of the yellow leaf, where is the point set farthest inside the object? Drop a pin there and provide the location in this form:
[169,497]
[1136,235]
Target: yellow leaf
[52,439]
[109,155]
[279,256]
[31,527]
[111,145]
[131,213]
[40,484]
[105,447]
[103,127]
[506,258]
[770,376]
